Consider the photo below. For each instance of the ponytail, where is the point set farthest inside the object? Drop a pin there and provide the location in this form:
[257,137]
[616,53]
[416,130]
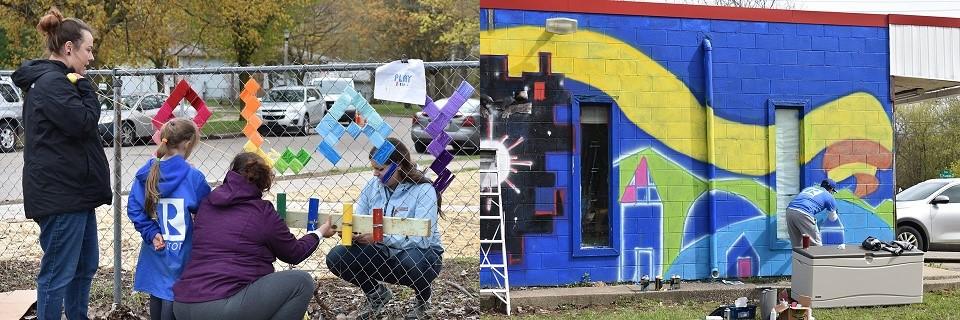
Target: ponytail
[153,189]
[174,132]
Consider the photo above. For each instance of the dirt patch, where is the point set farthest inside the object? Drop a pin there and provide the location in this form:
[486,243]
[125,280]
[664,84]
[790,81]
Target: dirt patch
[456,294]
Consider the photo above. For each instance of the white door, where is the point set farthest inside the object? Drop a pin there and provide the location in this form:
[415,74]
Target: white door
[945,218]
[788,164]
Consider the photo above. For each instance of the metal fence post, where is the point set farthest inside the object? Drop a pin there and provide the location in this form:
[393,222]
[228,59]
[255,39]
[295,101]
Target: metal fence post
[117,84]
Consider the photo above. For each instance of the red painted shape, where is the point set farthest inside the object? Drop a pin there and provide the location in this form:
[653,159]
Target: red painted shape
[539,91]
[378,224]
[632,8]
[859,151]
[641,174]
[744,267]
[180,92]
[866,184]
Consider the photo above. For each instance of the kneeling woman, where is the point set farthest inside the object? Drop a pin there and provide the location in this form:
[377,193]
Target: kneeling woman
[237,237]
[410,261]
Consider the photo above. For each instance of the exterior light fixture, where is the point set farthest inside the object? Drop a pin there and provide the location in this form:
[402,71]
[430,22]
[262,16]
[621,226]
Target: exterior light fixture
[561,25]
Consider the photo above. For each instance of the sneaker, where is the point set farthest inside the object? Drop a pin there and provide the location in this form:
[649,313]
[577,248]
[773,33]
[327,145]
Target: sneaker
[418,310]
[376,302]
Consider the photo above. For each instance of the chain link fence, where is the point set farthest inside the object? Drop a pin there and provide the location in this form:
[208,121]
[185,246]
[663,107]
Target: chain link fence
[293,101]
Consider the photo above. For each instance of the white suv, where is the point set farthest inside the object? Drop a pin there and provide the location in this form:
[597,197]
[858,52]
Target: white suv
[11,113]
[928,214]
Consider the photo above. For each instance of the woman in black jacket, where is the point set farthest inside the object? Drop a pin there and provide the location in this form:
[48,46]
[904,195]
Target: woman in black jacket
[65,175]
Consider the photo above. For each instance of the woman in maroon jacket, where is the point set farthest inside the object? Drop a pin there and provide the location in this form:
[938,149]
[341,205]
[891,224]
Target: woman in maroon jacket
[237,237]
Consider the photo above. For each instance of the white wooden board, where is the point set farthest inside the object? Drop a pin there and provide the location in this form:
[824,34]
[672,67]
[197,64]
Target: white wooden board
[364,223]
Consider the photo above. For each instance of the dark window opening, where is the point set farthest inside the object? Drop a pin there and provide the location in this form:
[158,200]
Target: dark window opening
[595,175]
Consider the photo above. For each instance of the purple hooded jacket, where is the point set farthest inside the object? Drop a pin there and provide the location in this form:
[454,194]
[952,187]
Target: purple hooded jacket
[237,236]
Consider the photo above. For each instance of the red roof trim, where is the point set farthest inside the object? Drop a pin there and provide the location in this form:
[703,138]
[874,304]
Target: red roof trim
[690,11]
[717,13]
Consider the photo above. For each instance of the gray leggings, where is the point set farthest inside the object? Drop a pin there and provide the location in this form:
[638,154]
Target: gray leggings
[279,295]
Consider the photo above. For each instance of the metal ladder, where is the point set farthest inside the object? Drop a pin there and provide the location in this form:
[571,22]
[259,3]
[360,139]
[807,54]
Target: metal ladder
[497,270]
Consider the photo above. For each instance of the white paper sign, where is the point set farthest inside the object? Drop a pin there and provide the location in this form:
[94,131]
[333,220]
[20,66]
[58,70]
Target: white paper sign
[401,82]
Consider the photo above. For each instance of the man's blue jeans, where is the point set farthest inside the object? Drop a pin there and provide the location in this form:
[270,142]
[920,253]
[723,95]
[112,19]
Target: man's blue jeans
[70,258]
[367,265]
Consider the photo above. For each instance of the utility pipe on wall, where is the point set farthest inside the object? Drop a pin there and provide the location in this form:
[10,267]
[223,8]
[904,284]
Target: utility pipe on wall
[711,169]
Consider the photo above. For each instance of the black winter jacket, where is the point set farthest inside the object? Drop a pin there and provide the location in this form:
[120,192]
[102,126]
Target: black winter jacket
[65,168]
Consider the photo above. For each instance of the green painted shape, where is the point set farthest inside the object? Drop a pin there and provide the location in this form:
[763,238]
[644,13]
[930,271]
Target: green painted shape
[281,165]
[885,212]
[758,194]
[282,205]
[303,156]
[287,155]
[296,166]
[678,189]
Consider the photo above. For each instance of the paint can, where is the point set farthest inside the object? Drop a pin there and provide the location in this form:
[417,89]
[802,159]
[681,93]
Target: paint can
[378,225]
[658,284]
[768,300]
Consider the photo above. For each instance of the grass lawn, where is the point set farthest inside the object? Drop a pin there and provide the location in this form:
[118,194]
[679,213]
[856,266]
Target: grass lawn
[223,127]
[396,109]
[227,125]
[936,305]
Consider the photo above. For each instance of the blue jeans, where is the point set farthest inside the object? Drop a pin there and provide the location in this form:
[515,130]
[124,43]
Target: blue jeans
[367,265]
[70,258]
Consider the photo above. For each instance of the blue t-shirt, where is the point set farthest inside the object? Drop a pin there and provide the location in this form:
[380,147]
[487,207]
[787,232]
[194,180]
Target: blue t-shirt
[812,200]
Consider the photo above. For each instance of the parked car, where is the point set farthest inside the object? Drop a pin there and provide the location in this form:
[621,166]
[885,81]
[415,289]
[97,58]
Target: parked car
[136,117]
[928,214]
[331,89]
[11,113]
[462,128]
[291,108]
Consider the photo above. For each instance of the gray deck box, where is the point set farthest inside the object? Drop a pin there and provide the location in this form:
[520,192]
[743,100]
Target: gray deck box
[830,277]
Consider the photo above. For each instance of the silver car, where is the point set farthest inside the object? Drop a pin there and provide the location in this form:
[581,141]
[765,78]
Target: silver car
[463,128]
[136,117]
[928,214]
[295,108]
[11,110]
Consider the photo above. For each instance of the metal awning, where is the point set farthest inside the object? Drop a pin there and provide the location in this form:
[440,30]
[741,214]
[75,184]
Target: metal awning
[924,62]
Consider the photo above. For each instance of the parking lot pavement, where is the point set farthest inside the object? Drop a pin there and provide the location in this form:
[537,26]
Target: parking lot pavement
[942,256]
[213,156]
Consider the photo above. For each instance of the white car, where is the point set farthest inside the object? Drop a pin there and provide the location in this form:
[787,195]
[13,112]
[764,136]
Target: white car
[928,214]
[331,89]
[11,111]
[136,117]
[291,108]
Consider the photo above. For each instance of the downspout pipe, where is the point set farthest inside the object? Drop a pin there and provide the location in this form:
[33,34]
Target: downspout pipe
[711,157]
